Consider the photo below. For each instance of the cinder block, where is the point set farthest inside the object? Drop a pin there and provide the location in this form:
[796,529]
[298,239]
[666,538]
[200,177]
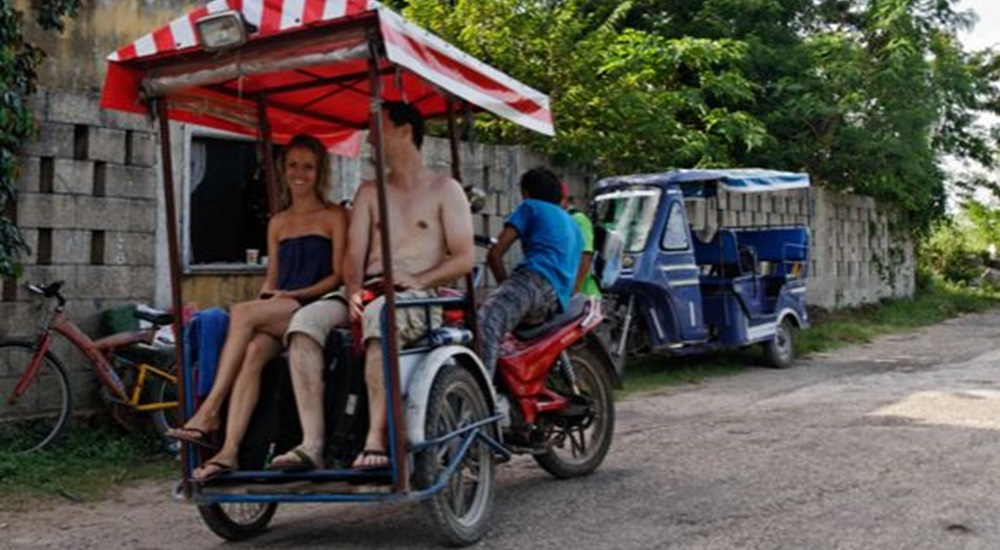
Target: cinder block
[38,210]
[70,247]
[127,121]
[142,148]
[123,248]
[129,181]
[37,102]
[31,239]
[105,144]
[17,319]
[116,214]
[54,140]
[118,282]
[74,177]
[73,108]
[29,179]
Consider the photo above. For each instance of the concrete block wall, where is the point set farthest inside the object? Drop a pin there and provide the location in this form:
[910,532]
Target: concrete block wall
[857,254]
[87,205]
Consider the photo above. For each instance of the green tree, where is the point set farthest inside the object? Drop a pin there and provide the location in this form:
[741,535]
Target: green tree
[18,63]
[623,98]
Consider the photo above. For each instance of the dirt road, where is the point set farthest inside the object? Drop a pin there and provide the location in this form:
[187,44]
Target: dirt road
[889,445]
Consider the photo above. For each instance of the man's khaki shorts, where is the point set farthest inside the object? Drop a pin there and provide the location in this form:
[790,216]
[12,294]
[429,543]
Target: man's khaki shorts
[317,319]
[411,322]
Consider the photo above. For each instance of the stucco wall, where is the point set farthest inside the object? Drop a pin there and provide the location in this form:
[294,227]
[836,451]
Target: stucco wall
[77,56]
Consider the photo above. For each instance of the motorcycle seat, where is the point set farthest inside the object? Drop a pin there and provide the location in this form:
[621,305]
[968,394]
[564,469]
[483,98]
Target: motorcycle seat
[577,307]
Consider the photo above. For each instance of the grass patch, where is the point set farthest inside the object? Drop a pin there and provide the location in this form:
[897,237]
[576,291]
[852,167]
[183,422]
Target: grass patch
[87,464]
[828,331]
[936,303]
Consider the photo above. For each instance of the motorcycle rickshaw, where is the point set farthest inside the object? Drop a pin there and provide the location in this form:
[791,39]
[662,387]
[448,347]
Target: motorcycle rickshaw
[692,282]
[271,69]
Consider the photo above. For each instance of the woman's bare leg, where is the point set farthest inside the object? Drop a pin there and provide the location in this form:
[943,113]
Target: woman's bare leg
[246,392]
[245,321]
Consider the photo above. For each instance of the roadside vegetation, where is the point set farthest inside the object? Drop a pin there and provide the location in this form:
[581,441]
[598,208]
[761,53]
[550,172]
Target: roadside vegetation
[88,464]
[936,301]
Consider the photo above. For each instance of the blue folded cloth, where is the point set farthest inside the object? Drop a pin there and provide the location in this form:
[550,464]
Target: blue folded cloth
[203,339]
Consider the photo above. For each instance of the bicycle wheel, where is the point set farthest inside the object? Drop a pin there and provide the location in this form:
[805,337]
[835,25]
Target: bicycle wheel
[236,521]
[38,417]
[164,391]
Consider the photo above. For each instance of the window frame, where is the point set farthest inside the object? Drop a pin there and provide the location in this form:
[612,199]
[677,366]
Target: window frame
[191,132]
[676,206]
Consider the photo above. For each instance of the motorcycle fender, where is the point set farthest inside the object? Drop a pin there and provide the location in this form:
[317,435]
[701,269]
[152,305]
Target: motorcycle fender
[595,343]
[420,384]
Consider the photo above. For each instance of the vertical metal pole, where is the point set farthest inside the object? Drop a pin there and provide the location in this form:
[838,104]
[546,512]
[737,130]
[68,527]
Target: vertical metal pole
[389,342]
[173,251]
[267,156]
[456,172]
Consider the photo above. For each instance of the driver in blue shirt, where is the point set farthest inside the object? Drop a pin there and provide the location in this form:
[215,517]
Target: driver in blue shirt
[542,284]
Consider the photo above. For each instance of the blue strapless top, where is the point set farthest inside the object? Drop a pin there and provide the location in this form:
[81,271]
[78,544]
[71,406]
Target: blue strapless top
[303,261]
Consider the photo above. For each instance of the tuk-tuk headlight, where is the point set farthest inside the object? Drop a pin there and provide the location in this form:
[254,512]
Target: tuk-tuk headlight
[628,261]
[220,31]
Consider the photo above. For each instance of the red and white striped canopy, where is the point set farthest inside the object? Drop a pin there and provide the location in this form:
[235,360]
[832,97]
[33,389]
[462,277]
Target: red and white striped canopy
[306,63]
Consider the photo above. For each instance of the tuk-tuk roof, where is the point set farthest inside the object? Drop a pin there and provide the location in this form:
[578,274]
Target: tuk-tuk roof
[308,58]
[742,180]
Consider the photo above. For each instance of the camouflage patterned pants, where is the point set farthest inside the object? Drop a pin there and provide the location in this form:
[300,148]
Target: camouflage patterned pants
[524,297]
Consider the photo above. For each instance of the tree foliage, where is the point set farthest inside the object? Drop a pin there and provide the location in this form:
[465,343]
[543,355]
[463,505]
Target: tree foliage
[865,95]
[18,63]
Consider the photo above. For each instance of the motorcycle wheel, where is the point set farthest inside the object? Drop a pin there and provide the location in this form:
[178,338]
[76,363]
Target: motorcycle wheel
[577,447]
[238,521]
[461,510]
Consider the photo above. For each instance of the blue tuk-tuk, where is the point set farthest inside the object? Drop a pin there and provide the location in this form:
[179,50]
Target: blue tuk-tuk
[690,283]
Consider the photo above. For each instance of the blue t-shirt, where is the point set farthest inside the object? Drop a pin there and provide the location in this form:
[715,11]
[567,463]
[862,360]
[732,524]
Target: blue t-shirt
[551,242]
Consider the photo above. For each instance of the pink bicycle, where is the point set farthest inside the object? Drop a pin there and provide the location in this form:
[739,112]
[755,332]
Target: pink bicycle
[36,401]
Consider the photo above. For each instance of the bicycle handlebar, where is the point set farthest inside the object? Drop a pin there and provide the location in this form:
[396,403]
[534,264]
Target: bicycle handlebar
[49,291]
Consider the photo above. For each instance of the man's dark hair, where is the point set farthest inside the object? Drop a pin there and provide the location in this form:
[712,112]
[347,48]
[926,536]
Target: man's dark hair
[540,183]
[401,113]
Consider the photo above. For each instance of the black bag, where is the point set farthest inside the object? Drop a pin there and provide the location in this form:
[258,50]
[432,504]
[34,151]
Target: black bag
[345,400]
[275,419]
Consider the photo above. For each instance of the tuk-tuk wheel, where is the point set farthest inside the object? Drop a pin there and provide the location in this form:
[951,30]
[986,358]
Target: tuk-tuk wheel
[238,520]
[461,510]
[779,352]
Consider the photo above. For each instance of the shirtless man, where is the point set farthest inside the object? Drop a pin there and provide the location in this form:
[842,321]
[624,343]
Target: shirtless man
[431,243]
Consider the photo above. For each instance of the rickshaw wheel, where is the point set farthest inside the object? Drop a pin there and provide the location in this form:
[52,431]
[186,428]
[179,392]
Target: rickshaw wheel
[238,520]
[779,352]
[577,448]
[462,508]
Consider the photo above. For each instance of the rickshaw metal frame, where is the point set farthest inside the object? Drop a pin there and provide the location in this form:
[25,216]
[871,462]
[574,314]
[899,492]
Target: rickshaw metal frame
[158,106]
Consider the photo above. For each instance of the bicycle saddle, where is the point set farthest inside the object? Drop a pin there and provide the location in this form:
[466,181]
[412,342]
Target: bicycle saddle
[155,316]
[47,291]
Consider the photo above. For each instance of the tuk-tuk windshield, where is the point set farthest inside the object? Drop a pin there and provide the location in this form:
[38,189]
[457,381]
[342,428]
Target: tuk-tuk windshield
[630,214]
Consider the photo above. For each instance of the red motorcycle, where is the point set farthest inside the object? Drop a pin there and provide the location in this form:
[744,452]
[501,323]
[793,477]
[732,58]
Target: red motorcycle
[558,379]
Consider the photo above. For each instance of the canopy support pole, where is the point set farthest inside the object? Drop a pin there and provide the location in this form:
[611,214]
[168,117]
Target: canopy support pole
[267,156]
[456,172]
[390,345]
[173,251]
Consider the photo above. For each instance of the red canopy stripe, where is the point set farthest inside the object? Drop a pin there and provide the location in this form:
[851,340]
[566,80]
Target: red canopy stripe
[313,11]
[270,23]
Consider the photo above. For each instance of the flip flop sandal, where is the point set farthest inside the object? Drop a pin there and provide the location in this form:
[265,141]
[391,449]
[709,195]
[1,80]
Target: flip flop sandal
[200,438]
[371,453]
[221,469]
[304,463]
